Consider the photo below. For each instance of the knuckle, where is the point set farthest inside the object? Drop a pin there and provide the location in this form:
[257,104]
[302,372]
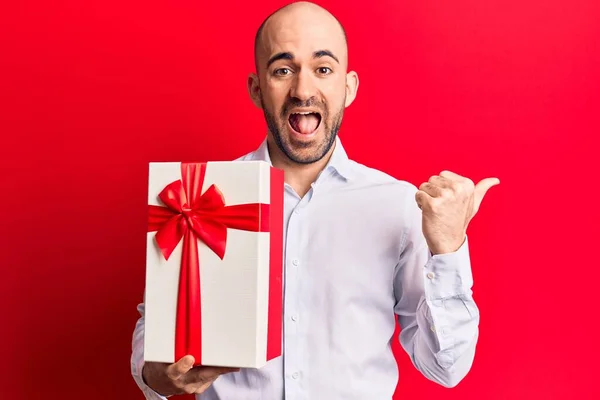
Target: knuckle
[455,191]
[171,375]
[202,388]
[189,389]
[198,389]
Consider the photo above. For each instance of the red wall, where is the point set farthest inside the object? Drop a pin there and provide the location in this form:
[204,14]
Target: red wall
[91,91]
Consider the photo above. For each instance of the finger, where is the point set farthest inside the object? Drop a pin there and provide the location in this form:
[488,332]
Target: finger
[180,368]
[422,199]
[431,189]
[451,175]
[441,182]
[202,388]
[199,389]
[200,375]
[481,189]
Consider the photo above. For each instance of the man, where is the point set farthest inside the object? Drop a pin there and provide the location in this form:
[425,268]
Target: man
[360,247]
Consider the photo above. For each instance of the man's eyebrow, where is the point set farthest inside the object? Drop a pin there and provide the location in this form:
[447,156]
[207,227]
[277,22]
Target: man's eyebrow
[325,53]
[280,56]
[289,56]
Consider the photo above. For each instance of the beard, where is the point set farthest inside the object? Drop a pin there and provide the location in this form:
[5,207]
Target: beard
[297,151]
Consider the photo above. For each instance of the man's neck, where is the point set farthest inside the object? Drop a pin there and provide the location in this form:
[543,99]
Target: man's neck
[298,176]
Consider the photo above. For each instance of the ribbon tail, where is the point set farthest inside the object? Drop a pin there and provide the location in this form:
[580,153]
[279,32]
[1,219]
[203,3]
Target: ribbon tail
[212,233]
[188,332]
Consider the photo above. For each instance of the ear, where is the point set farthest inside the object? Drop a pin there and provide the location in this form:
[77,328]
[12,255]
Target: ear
[254,89]
[351,87]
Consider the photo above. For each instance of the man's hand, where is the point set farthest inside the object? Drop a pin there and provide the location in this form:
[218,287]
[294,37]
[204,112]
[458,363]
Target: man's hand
[449,202]
[181,378]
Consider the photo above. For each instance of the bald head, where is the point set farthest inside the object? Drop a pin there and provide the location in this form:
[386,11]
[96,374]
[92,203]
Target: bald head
[297,19]
[302,82]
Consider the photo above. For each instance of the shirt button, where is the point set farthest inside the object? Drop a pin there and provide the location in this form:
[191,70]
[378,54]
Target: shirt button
[295,375]
[430,275]
[294,317]
[297,210]
[296,262]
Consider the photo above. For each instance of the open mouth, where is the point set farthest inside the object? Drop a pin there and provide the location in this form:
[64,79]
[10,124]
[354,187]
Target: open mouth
[305,123]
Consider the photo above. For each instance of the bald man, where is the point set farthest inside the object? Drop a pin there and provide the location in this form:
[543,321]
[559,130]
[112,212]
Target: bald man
[362,249]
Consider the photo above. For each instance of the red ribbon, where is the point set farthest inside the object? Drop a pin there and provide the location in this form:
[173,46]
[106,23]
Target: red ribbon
[194,216]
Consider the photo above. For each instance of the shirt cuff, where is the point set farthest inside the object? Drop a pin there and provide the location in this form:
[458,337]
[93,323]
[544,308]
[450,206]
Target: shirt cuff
[448,275]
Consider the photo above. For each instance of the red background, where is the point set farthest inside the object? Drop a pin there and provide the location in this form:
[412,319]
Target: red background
[91,91]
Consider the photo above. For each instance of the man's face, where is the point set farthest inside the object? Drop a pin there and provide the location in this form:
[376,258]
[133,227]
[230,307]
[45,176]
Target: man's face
[303,85]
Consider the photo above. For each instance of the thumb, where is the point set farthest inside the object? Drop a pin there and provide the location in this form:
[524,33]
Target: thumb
[481,189]
[181,367]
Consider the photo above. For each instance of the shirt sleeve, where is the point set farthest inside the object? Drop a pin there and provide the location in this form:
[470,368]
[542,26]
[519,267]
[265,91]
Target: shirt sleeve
[137,358]
[438,317]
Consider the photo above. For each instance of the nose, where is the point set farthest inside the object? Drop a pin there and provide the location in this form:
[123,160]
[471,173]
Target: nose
[303,87]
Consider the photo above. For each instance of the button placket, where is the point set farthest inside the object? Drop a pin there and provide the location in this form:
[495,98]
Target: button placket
[293,361]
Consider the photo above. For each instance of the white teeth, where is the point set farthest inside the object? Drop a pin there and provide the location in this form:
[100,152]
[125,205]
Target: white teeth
[305,113]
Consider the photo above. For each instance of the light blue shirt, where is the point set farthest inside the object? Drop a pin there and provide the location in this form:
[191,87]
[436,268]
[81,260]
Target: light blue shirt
[355,259]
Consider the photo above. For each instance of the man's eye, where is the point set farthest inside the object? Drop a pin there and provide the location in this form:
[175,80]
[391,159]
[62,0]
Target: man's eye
[282,71]
[324,70]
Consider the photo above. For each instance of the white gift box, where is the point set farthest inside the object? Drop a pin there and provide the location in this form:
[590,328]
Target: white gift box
[232,213]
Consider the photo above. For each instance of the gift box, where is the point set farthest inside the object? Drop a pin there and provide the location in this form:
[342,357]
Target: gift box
[214,263]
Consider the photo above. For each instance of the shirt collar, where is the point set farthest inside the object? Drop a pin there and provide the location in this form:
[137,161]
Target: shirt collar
[339,161]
